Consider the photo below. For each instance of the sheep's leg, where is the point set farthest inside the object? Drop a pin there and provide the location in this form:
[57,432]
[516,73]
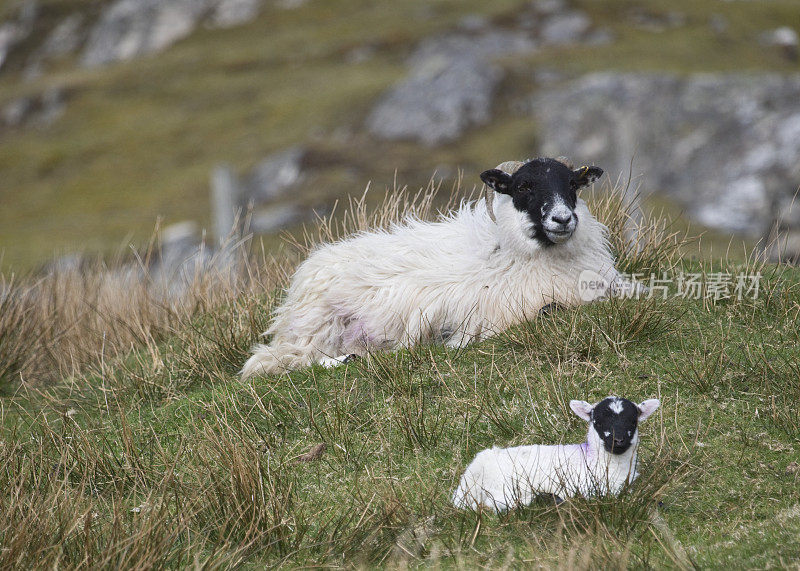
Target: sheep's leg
[331,362]
[470,332]
[551,308]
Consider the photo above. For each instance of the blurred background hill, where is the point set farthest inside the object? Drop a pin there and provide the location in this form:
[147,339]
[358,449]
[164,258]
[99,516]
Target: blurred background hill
[117,114]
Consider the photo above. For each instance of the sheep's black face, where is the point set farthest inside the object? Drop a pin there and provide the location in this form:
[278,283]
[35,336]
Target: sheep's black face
[546,190]
[615,420]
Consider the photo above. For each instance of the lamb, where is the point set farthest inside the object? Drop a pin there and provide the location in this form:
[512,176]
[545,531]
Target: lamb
[465,277]
[502,478]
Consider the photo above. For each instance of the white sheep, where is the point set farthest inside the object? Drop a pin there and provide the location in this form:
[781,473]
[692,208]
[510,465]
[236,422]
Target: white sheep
[467,276]
[502,478]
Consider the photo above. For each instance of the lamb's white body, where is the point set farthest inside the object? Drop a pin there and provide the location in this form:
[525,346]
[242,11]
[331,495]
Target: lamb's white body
[501,478]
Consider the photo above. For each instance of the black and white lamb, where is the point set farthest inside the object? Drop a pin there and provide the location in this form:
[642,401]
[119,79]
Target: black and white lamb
[471,274]
[502,478]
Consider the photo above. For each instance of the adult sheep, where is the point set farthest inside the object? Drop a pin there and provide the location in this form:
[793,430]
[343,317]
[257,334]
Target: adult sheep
[467,276]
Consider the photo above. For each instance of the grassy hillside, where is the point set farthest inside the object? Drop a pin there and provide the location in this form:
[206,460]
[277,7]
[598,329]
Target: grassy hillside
[139,139]
[144,449]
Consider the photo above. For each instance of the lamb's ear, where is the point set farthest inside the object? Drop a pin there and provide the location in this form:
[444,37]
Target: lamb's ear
[497,180]
[582,408]
[648,407]
[585,175]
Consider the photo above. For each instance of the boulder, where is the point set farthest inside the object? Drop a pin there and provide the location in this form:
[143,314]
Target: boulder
[17,30]
[783,38]
[131,28]
[63,40]
[450,87]
[725,146]
[274,175]
[230,13]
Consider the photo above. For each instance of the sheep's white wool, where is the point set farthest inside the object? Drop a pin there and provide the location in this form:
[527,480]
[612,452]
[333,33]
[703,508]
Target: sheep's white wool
[457,280]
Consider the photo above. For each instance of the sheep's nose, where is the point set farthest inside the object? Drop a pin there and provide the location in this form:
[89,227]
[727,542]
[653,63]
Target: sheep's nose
[563,219]
[617,441]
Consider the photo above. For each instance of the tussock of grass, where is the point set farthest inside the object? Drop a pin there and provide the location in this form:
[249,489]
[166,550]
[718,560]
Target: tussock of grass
[130,442]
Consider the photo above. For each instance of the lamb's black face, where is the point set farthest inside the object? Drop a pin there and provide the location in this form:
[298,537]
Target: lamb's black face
[615,420]
[546,190]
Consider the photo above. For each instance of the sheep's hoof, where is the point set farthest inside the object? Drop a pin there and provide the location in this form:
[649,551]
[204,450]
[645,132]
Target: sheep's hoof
[350,358]
[551,308]
[557,500]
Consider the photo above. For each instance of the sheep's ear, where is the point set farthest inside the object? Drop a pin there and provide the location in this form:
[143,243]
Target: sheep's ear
[582,408]
[585,176]
[497,180]
[648,407]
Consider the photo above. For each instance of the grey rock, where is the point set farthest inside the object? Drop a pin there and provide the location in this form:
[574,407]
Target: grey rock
[226,192]
[473,23]
[9,35]
[41,110]
[275,174]
[785,39]
[178,242]
[726,146]
[230,13]
[131,28]
[360,54]
[565,28]
[53,105]
[17,30]
[290,4]
[450,87]
[548,6]
[275,218]
[65,38]
[654,21]
[601,37]
[783,36]
[719,24]
[17,111]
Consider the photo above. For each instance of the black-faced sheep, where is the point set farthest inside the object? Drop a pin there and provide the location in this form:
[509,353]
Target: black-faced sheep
[467,276]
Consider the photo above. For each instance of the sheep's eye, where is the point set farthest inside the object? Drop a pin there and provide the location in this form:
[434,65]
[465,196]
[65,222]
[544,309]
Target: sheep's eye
[525,188]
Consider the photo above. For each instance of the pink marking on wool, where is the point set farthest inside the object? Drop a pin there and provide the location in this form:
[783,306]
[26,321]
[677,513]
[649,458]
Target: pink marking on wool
[357,333]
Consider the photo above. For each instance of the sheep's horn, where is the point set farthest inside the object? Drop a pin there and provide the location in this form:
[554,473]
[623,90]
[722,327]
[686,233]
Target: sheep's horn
[509,167]
[489,197]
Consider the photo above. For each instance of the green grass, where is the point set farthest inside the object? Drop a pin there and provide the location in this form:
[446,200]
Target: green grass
[153,453]
[139,139]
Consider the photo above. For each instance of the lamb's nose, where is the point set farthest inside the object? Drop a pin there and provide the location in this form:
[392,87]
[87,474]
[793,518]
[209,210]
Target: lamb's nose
[617,441]
[563,219]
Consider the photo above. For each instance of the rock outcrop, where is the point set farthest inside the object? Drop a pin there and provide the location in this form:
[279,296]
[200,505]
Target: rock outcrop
[452,79]
[725,146]
[130,28]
